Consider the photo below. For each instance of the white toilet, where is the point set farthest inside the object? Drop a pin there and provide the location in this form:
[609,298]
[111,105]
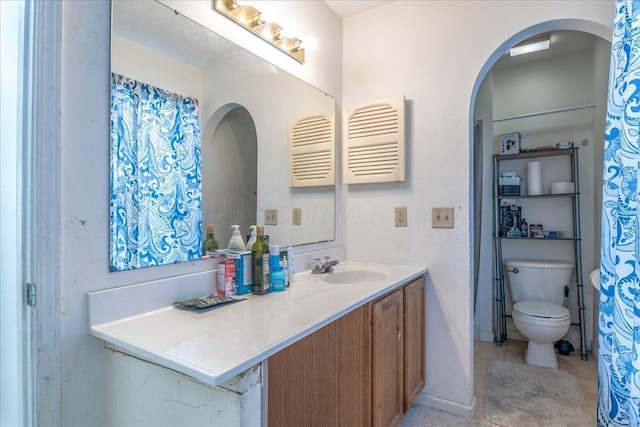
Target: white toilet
[537,289]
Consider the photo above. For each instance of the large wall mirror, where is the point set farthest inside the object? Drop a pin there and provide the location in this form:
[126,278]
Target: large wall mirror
[245,106]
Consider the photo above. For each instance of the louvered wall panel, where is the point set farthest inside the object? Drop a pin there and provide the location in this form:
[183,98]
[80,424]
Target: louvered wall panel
[312,151]
[373,148]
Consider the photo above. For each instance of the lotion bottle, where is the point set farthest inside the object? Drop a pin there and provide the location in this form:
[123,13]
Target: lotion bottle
[236,243]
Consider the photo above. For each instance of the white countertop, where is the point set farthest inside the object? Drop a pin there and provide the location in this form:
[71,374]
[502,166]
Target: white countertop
[217,344]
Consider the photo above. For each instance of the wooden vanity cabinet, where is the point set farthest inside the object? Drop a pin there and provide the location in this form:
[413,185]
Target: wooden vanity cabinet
[387,350]
[323,379]
[414,341]
[364,369]
[398,352]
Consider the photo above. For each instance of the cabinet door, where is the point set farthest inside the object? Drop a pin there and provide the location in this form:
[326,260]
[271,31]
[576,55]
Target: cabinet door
[323,379]
[414,336]
[387,360]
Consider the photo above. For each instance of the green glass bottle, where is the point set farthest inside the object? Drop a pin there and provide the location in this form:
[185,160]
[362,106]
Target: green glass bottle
[210,243]
[260,260]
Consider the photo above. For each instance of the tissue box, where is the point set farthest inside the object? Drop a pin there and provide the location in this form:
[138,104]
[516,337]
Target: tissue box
[244,272]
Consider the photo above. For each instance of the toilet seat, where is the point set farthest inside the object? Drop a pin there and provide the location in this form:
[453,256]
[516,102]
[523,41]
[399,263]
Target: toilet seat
[541,312]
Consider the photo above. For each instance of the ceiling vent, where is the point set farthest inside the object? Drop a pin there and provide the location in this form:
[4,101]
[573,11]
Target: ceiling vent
[373,149]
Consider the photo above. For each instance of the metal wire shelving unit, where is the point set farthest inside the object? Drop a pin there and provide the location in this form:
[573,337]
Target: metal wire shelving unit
[500,332]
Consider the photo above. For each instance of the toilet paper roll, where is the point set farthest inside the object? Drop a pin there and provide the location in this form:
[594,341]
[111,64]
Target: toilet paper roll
[534,178]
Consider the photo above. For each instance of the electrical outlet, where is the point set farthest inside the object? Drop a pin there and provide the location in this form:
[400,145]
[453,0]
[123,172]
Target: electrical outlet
[442,218]
[401,216]
[297,216]
[271,217]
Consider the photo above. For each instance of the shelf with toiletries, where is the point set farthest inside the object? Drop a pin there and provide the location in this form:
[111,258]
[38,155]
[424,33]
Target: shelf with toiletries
[539,196]
[543,239]
[543,187]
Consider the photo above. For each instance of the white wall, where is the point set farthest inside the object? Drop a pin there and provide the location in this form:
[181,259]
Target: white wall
[428,51]
[436,53]
[148,66]
[83,244]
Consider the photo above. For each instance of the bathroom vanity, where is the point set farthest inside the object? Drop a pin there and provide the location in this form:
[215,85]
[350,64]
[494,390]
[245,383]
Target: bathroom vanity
[347,345]
[365,368]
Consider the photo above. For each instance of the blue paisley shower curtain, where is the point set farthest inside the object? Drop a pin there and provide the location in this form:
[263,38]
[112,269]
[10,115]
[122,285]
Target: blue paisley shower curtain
[619,319]
[156,191]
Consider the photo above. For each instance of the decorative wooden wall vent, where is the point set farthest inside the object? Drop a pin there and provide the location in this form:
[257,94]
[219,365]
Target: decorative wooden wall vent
[312,151]
[373,148]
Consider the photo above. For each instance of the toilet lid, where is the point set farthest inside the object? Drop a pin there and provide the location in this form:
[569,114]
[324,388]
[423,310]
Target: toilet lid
[547,310]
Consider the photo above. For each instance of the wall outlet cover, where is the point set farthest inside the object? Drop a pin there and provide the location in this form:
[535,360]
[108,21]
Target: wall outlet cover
[271,217]
[401,216]
[442,218]
[296,216]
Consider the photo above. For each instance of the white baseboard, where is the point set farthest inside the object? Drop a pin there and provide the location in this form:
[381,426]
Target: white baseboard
[452,407]
[486,336]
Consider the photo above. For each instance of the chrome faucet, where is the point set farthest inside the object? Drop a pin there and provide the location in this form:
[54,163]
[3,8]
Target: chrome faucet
[326,267]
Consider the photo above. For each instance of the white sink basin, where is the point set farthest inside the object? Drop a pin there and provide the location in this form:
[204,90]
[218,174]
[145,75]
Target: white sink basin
[354,276]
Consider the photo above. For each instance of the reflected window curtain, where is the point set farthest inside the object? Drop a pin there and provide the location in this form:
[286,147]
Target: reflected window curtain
[619,318]
[156,190]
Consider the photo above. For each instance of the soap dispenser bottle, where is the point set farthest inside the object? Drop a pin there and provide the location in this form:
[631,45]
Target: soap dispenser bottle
[236,243]
[252,238]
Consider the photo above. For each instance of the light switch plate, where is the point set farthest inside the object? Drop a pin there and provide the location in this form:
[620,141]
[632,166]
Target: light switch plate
[401,216]
[271,217]
[296,216]
[442,218]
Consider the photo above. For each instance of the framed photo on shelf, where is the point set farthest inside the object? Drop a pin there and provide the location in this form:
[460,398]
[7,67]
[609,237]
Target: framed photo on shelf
[510,143]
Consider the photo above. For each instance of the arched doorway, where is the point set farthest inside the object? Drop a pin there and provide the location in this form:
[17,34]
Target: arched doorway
[482,110]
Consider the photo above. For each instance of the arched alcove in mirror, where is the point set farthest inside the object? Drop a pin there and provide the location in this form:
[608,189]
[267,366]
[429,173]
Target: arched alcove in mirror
[230,172]
[153,44]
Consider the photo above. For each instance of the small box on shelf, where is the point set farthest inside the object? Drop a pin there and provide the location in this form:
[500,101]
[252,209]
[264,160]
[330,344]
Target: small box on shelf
[509,184]
[510,143]
[536,231]
[510,216]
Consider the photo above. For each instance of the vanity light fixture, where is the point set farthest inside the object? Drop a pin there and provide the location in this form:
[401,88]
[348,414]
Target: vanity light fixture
[534,44]
[252,19]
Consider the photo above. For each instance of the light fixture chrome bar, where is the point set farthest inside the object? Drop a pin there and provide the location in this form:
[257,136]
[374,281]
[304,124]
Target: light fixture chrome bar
[250,18]
[542,113]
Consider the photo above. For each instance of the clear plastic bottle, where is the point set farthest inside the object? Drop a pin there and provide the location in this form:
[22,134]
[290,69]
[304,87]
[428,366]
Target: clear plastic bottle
[260,261]
[252,237]
[210,243]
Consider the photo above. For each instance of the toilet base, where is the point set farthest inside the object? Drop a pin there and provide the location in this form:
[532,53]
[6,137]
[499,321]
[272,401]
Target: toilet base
[543,355]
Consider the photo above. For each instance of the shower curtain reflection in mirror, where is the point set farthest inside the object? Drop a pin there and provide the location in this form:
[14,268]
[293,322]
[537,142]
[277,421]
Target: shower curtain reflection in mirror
[156,185]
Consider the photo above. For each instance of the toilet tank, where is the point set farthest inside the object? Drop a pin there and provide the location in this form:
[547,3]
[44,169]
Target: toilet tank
[538,279]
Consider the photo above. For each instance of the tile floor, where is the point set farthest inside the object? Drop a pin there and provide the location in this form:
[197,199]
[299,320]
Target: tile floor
[585,372]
